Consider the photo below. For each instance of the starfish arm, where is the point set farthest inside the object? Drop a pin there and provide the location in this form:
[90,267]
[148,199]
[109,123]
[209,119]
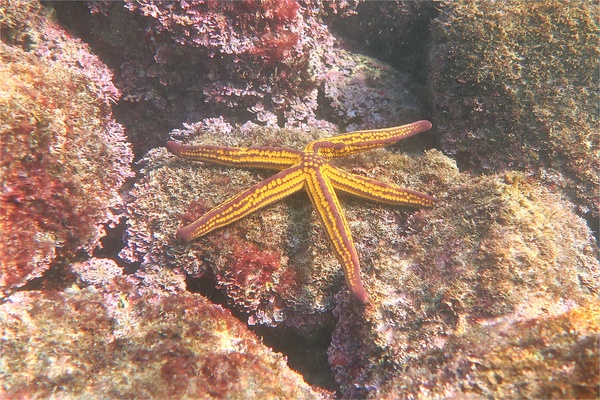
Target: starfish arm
[255,157]
[355,142]
[372,189]
[261,195]
[330,212]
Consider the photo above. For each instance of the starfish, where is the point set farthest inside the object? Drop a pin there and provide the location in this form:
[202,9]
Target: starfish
[311,170]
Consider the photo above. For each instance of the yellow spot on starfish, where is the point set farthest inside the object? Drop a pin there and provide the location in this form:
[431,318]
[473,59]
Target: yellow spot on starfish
[310,170]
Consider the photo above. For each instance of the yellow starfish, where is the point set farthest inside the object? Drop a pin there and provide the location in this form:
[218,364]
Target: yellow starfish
[309,169]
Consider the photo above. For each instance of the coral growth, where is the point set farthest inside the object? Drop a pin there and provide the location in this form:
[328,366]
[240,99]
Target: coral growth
[516,87]
[63,157]
[116,339]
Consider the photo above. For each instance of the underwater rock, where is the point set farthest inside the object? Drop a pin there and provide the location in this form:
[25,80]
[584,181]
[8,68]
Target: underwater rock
[254,52]
[275,265]
[363,93]
[252,61]
[114,339]
[63,157]
[495,249]
[542,358]
[270,62]
[516,88]
[526,220]
[395,32]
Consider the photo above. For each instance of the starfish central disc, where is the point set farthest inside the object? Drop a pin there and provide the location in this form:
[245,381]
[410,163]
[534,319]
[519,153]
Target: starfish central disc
[311,160]
[310,170]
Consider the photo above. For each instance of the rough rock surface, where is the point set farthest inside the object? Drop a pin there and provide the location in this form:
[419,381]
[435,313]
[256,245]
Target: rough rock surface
[111,335]
[515,87]
[63,157]
[269,62]
[492,292]
[550,357]
[490,247]
[495,248]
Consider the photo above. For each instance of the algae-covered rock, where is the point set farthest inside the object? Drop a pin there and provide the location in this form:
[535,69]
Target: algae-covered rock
[495,248]
[276,264]
[269,62]
[542,358]
[363,93]
[492,247]
[115,339]
[63,157]
[516,87]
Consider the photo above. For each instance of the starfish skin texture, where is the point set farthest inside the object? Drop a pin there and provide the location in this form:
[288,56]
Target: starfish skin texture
[310,170]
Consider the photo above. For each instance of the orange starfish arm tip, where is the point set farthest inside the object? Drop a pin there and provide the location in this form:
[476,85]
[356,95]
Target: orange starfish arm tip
[174,147]
[355,142]
[360,294]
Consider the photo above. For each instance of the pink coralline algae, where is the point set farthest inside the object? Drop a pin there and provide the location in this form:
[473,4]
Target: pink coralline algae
[267,29]
[111,335]
[272,57]
[270,62]
[63,157]
[241,54]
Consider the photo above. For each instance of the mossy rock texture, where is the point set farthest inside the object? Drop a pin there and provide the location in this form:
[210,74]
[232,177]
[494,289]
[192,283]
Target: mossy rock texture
[515,87]
[108,337]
